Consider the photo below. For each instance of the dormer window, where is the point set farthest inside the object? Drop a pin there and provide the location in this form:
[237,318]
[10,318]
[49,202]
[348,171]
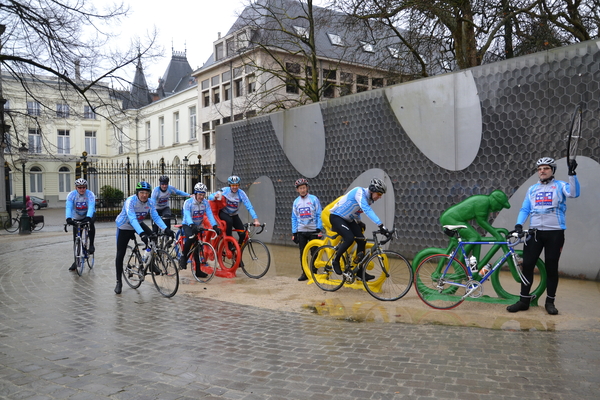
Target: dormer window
[367,47]
[301,31]
[335,39]
[394,52]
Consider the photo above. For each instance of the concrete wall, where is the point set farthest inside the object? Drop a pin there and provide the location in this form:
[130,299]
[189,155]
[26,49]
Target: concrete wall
[436,141]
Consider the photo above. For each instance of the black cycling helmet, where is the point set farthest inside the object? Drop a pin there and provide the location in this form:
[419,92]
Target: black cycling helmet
[163,180]
[300,182]
[143,185]
[377,186]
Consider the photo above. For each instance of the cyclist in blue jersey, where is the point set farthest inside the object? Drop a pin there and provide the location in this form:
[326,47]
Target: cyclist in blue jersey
[81,207]
[545,206]
[195,211]
[306,219]
[233,197]
[161,195]
[345,220]
[130,221]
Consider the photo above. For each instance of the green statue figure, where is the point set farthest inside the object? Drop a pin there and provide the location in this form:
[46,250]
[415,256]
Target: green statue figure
[478,208]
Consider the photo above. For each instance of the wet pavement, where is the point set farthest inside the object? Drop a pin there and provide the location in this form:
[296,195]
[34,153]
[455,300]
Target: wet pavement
[69,337]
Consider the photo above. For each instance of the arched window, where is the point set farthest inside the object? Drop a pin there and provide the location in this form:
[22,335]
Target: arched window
[65,180]
[36,188]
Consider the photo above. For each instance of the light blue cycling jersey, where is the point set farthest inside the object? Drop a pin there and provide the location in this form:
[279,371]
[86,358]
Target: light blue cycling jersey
[194,212]
[80,206]
[547,204]
[354,203]
[162,198]
[232,201]
[306,214]
[134,211]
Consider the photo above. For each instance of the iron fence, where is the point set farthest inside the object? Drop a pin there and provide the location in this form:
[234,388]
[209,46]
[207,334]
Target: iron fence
[114,181]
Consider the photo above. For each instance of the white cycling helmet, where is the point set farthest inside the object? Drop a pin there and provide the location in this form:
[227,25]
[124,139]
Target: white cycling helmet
[200,188]
[547,161]
[80,182]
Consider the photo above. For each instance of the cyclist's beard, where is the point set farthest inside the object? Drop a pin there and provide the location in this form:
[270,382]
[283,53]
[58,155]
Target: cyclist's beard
[545,181]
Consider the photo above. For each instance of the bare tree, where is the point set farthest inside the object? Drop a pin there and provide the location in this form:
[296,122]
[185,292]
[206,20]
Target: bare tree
[66,46]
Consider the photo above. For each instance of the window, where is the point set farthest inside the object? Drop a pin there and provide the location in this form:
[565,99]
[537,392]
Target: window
[90,142]
[216,96]
[205,126]
[35,180]
[35,140]
[230,46]
[251,113]
[291,86]
[301,31]
[88,112]
[148,135]
[227,92]
[367,47]
[205,84]
[226,76]
[335,39]
[192,111]
[238,117]
[64,181]
[226,119]
[251,83]
[377,83]
[62,111]
[161,131]
[219,51]
[242,40]
[176,127]
[329,82]
[238,88]
[63,142]
[206,140]
[346,83]
[34,108]
[293,68]
[205,99]
[362,83]
[214,81]
[120,139]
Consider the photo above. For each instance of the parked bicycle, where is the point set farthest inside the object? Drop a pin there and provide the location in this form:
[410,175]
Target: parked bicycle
[443,282]
[143,260]
[393,274]
[81,246]
[36,223]
[206,253]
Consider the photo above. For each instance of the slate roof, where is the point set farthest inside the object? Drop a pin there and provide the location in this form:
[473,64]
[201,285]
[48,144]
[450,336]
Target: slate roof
[177,77]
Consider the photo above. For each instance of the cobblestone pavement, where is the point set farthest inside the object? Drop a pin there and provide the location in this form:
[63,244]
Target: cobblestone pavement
[70,337]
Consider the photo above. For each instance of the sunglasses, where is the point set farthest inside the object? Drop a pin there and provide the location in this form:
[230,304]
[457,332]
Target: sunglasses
[81,187]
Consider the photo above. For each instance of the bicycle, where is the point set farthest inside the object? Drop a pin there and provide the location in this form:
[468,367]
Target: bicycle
[206,253]
[393,274]
[255,257]
[443,282]
[80,246]
[506,285]
[165,242]
[12,225]
[149,259]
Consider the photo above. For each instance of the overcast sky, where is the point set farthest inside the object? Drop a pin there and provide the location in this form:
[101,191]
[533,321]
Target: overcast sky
[191,25]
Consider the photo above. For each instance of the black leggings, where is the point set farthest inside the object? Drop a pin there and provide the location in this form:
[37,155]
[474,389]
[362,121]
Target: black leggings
[303,239]
[350,232]
[188,232]
[166,213]
[91,230]
[123,238]
[233,221]
[552,243]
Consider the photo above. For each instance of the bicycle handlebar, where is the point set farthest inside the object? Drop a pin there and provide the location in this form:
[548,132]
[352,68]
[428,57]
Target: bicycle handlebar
[389,236]
[262,226]
[75,223]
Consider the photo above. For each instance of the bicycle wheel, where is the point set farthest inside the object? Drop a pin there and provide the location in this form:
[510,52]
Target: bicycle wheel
[321,269]
[208,262]
[133,268]
[38,226]
[79,255]
[434,286]
[86,240]
[12,225]
[393,276]
[256,258]
[507,284]
[167,282]
[228,258]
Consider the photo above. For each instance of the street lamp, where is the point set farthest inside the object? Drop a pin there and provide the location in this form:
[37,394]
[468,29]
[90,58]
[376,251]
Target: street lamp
[199,168]
[185,161]
[84,165]
[25,225]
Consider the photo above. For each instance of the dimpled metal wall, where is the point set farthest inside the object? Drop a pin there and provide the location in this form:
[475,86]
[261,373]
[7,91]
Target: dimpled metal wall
[526,106]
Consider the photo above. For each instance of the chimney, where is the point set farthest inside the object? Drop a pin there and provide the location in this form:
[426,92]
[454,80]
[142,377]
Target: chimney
[218,35]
